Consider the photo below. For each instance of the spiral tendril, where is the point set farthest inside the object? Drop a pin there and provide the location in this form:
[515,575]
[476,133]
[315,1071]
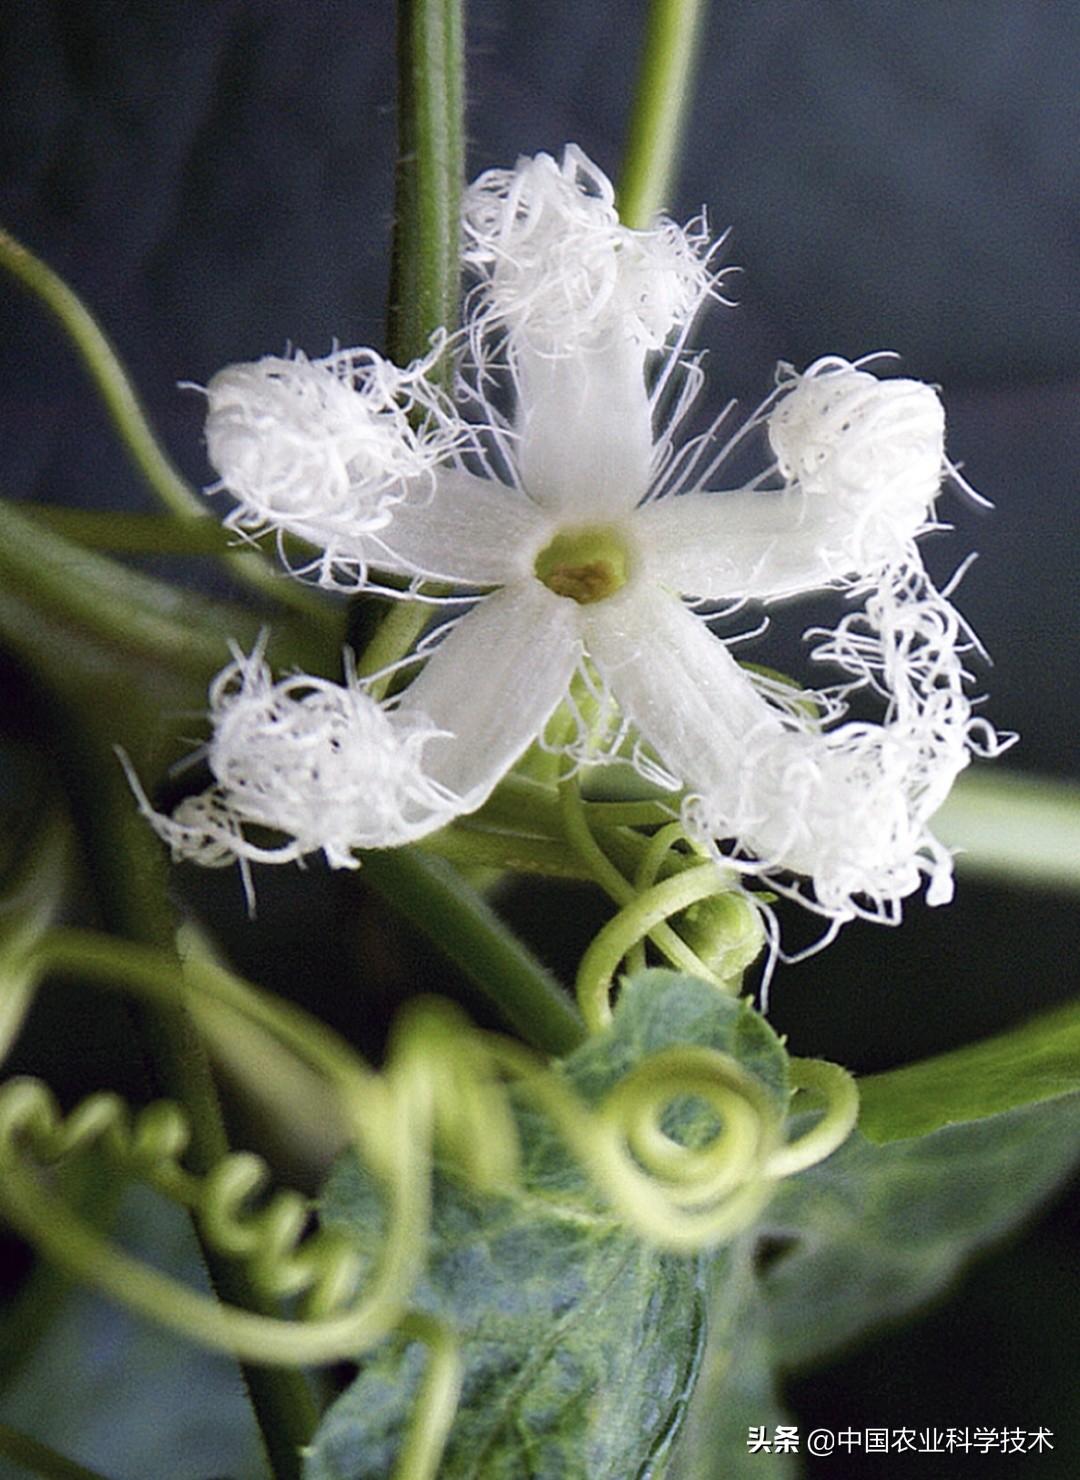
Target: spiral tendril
[448,1090]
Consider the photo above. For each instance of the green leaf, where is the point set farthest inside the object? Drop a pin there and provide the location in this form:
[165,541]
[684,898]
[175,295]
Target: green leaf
[1040,1060]
[737,1387]
[860,1240]
[581,1344]
[876,1231]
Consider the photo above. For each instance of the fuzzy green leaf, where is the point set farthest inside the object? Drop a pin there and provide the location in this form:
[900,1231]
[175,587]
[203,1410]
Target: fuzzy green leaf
[581,1344]
[876,1231]
[860,1240]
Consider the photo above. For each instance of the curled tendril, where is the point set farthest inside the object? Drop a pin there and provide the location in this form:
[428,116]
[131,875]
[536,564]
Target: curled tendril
[648,907]
[630,926]
[148,1144]
[445,1091]
[733,938]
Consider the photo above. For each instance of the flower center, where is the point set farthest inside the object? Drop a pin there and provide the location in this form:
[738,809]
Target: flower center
[587,564]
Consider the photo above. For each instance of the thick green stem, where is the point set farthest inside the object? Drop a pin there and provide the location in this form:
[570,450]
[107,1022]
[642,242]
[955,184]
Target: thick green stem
[426,271]
[659,111]
[425,278]
[434,898]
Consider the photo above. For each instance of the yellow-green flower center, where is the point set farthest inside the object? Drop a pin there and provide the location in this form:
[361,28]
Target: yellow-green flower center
[586,564]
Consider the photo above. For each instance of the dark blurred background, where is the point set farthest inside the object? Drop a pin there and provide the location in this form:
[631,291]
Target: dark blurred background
[215,179]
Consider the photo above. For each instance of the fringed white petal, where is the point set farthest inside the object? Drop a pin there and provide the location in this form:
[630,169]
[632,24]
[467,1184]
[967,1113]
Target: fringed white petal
[558,272]
[847,810]
[321,763]
[584,429]
[466,530]
[492,684]
[863,458]
[325,449]
[873,450]
[677,684]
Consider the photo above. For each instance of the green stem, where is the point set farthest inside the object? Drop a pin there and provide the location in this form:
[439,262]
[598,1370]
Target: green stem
[426,267]
[129,419]
[84,621]
[131,881]
[130,533]
[39,1459]
[103,600]
[425,274]
[633,923]
[108,375]
[672,36]
[433,1411]
[581,838]
[840,1094]
[1021,829]
[629,814]
[394,636]
[433,897]
[464,845]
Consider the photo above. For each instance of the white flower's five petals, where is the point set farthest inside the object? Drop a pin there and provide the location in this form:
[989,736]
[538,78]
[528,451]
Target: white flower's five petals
[462,529]
[677,683]
[871,449]
[574,327]
[754,543]
[492,685]
[584,429]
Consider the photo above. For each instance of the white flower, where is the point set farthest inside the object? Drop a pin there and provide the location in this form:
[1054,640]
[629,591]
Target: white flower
[593,525]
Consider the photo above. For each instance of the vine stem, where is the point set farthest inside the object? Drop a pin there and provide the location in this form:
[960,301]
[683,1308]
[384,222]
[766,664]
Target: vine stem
[437,1400]
[434,898]
[672,37]
[841,1096]
[580,837]
[425,270]
[426,265]
[632,924]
